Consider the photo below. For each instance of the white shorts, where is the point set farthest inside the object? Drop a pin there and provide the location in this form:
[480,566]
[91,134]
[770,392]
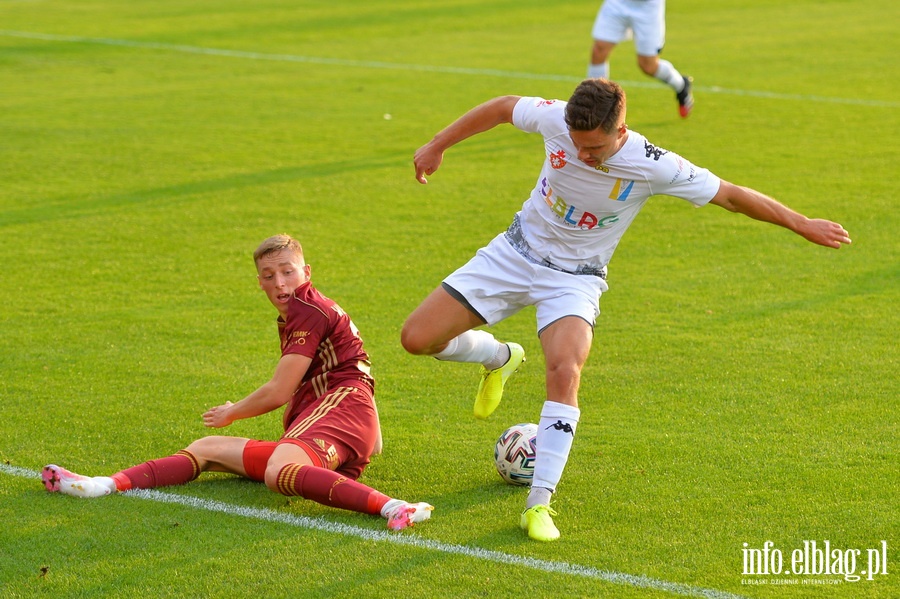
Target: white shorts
[498,282]
[616,19]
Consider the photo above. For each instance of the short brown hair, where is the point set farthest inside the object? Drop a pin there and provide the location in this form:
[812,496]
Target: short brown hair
[595,103]
[276,243]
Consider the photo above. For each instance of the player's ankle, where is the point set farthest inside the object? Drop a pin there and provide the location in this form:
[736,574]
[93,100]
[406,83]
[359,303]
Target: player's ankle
[122,482]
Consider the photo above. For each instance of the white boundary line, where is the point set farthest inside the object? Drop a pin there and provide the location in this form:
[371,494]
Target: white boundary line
[367,64]
[409,540]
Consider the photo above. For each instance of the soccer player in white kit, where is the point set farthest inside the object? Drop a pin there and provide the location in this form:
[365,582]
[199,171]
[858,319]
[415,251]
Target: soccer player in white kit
[596,176]
[616,21]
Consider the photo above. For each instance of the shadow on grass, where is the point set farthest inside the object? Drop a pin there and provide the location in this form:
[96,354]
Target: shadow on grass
[74,207]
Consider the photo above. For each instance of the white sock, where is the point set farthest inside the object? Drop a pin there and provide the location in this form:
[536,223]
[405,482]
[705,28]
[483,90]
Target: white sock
[538,496]
[599,70]
[477,347]
[556,431]
[501,357]
[107,482]
[669,75]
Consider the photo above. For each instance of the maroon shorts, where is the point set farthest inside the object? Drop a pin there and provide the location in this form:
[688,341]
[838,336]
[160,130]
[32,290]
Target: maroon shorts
[337,431]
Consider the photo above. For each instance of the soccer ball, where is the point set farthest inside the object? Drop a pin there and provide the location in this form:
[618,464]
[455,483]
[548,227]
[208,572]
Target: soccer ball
[514,453]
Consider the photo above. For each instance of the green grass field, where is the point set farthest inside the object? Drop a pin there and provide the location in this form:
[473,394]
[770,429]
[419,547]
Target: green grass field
[743,385]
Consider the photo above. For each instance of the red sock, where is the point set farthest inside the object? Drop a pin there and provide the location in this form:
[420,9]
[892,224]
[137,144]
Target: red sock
[173,470]
[330,488]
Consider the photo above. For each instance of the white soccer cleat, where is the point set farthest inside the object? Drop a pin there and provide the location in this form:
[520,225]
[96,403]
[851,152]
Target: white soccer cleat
[68,483]
[401,514]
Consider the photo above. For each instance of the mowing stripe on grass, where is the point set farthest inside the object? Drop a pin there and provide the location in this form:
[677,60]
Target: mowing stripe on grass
[409,540]
[368,64]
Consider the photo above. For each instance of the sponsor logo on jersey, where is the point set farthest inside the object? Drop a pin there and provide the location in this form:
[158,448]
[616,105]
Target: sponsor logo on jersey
[295,338]
[569,213]
[693,175]
[677,174]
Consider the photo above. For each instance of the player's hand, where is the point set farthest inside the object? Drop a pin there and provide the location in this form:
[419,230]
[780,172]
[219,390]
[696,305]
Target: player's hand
[427,160]
[218,416]
[825,232]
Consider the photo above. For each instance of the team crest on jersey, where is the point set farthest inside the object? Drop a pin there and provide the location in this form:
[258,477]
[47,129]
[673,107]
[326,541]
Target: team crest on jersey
[558,159]
[621,190]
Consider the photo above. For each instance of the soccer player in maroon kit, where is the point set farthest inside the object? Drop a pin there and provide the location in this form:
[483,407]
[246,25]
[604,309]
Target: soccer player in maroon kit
[330,422]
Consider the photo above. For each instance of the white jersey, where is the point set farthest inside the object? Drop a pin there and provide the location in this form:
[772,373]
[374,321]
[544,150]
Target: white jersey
[577,214]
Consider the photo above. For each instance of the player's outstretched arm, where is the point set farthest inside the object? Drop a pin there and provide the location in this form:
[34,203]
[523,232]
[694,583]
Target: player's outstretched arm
[272,395]
[481,118]
[761,207]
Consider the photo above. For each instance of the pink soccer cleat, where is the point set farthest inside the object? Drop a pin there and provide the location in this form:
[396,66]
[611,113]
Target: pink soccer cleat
[57,479]
[401,514]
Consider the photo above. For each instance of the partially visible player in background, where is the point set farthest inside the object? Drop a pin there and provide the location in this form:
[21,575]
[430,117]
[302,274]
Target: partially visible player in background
[331,421]
[596,176]
[646,19]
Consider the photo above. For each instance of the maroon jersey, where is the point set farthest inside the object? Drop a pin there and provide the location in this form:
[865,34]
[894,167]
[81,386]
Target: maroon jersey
[316,327]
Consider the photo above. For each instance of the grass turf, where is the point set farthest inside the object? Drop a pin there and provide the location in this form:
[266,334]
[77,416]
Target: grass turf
[742,386]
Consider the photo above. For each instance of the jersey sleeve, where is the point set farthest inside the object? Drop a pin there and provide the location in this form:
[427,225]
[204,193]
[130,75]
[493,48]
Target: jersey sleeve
[676,176]
[533,114]
[303,330]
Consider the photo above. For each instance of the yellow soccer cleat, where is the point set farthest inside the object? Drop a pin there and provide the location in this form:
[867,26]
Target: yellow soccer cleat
[538,522]
[490,389]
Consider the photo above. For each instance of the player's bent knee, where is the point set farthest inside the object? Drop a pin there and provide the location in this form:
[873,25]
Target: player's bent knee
[563,375]
[271,476]
[413,342]
[649,65]
[205,448]
[563,370]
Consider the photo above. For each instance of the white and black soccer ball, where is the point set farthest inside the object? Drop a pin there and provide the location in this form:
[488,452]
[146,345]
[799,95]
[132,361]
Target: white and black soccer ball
[514,453]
